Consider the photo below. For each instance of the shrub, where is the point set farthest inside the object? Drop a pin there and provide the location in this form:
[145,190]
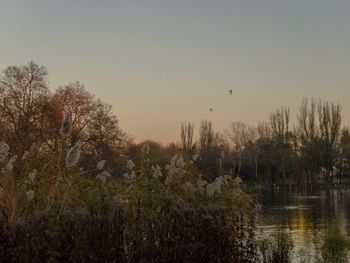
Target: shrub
[61,213]
[277,250]
[335,247]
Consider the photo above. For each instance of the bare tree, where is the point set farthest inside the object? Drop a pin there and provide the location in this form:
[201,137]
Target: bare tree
[210,152]
[319,126]
[264,130]
[329,125]
[243,135]
[187,136]
[307,127]
[92,121]
[279,122]
[23,105]
[309,138]
[345,151]
[80,104]
[206,135]
[29,114]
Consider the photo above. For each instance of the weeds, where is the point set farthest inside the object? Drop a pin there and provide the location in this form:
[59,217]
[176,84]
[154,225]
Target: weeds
[335,247]
[277,250]
[52,211]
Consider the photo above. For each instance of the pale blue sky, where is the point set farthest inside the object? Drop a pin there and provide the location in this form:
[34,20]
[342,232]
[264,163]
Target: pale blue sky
[160,62]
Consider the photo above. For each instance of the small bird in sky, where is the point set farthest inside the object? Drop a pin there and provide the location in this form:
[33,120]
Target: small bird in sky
[211,110]
[230,91]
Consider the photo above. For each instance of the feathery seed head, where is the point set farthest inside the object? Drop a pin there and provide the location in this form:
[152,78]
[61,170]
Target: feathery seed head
[145,148]
[73,155]
[157,171]
[32,175]
[101,164]
[130,164]
[30,195]
[4,148]
[25,155]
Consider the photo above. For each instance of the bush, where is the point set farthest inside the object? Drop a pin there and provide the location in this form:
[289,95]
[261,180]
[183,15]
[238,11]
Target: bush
[65,214]
[277,250]
[335,247]
[87,234]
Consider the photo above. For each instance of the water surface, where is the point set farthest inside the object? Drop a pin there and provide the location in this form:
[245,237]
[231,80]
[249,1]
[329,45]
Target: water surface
[306,214]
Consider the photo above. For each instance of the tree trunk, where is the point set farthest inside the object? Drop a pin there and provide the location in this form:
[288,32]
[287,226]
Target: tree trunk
[256,167]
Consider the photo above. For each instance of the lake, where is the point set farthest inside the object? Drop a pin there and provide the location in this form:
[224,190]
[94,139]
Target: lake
[306,214]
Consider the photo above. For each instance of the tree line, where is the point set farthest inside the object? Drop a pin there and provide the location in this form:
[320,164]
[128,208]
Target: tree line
[316,147]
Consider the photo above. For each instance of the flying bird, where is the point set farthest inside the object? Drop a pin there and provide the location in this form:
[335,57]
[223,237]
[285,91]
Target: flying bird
[211,110]
[230,91]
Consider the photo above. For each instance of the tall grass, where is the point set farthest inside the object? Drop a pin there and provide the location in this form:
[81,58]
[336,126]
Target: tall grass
[335,247]
[64,213]
[276,249]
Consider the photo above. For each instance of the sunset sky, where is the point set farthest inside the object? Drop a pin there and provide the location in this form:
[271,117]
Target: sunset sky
[161,62]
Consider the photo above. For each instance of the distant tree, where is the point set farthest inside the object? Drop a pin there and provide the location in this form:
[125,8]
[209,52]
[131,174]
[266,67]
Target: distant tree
[253,151]
[80,104]
[158,154]
[187,137]
[279,122]
[281,135]
[344,160]
[267,159]
[104,136]
[308,129]
[329,115]
[243,138]
[24,104]
[206,135]
[93,122]
[210,150]
[319,125]
[309,139]
[264,131]
[266,152]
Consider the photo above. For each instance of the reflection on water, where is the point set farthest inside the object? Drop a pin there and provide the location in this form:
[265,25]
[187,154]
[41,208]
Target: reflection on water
[306,214]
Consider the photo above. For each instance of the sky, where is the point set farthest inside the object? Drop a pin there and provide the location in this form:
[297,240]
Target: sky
[163,62]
